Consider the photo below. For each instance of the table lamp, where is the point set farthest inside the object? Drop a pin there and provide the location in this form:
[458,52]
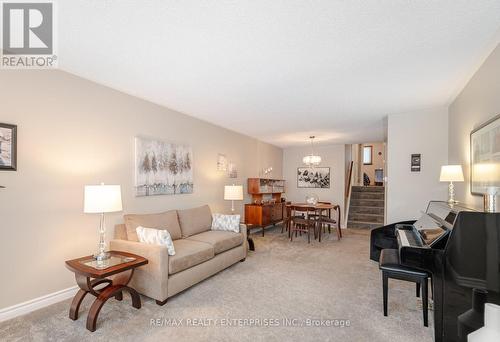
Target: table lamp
[100,199]
[233,193]
[451,173]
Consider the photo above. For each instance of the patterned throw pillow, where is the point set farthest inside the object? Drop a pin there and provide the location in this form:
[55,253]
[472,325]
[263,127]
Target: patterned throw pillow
[156,237]
[229,223]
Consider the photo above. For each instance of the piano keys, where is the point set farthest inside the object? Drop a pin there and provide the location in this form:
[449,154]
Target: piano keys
[459,246]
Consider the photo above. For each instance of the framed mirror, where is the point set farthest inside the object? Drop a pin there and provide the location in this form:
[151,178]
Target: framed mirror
[485,158]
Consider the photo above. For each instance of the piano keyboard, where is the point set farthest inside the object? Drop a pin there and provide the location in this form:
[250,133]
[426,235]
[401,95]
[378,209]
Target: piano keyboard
[408,238]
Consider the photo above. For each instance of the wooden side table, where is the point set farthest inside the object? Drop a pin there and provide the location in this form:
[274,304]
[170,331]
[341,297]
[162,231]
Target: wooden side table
[90,273]
[251,245]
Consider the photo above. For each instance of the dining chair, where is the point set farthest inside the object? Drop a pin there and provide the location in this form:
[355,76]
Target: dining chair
[302,222]
[327,220]
[329,211]
[287,218]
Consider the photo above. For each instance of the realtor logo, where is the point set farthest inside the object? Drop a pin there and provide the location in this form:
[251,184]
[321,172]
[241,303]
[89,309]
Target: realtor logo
[28,35]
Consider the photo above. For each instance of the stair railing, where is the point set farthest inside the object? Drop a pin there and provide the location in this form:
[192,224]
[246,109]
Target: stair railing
[348,191]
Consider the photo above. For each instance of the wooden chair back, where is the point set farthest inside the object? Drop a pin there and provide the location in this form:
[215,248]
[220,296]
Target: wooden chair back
[302,210]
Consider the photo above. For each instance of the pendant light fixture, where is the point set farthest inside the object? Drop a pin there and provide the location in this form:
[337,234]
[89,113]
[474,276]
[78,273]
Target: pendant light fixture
[312,159]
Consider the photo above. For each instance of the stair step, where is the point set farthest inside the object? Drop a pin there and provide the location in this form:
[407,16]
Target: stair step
[368,195]
[367,203]
[368,189]
[367,210]
[372,218]
[362,225]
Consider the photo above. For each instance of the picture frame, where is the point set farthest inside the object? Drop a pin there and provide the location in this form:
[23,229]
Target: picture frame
[8,147]
[485,157]
[222,163]
[162,168]
[313,178]
[416,162]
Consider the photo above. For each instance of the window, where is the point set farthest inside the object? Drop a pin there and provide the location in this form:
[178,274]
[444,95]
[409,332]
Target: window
[367,155]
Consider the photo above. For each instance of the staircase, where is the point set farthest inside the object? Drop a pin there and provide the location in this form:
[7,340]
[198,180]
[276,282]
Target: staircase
[366,208]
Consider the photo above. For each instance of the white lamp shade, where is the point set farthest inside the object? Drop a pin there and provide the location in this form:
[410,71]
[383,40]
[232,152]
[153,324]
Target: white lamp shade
[102,199]
[451,173]
[233,192]
[311,160]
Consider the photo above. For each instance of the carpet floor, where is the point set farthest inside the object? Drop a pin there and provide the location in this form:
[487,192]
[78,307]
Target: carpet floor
[284,291]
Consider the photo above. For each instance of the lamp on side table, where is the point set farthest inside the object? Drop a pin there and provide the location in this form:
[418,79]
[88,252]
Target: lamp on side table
[451,173]
[233,193]
[100,199]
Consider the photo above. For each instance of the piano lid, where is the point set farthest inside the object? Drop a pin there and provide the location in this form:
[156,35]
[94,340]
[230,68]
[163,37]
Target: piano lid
[444,213]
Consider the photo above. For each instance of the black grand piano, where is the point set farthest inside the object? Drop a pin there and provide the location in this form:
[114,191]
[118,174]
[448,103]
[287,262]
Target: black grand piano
[460,247]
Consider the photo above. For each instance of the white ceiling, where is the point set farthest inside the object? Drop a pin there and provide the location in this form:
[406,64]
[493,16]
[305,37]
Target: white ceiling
[280,70]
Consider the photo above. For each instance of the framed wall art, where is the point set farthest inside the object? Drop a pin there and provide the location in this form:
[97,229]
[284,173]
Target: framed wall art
[485,157]
[162,168]
[8,147]
[317,177]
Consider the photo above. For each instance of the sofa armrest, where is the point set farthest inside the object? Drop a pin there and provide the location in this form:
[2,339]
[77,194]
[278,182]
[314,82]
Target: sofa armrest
[243,229]
[151,279]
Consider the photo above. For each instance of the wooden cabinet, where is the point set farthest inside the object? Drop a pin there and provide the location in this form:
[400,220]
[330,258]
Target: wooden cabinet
[257,186]
[263,215]
[266,207]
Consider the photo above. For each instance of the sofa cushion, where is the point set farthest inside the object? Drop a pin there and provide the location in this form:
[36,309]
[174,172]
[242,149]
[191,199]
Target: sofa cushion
[229,223]
[220,240]
[167,220]
[189,253]
[155,236]
[194,221]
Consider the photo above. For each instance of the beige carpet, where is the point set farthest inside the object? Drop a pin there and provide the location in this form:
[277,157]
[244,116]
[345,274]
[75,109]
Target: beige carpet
[327,281]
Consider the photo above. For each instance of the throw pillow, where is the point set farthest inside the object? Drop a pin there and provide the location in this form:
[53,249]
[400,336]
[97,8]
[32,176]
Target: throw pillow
[229,223]
[156,237]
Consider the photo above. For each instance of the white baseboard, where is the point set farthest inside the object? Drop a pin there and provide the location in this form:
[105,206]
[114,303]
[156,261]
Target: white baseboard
[37,303]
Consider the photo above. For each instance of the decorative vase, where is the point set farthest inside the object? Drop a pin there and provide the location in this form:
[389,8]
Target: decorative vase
[312,199]
[491,330]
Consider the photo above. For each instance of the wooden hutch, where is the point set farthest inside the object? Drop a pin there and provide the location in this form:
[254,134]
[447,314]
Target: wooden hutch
[266,207]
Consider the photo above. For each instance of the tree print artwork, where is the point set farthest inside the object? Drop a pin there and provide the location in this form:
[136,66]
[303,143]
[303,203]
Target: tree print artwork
[162,168]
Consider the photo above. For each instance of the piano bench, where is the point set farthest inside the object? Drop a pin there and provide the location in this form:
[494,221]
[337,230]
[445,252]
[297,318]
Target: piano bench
[391,268]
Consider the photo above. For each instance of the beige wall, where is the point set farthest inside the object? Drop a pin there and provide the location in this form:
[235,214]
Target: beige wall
[332,156]
[377,161]
[423,132]
[478,102]
[73,132]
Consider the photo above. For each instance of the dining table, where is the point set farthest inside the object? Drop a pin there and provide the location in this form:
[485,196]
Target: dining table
[318,208]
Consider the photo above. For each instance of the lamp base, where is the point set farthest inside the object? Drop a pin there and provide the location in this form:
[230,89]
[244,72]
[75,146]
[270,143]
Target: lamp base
[451,194]
[102,256]
[490,203]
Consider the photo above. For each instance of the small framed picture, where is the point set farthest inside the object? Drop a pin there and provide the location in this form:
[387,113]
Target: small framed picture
[222,162]
[8,147]
[416,160]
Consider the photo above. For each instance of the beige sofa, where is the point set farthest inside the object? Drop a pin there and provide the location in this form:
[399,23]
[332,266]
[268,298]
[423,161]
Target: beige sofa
[199,251]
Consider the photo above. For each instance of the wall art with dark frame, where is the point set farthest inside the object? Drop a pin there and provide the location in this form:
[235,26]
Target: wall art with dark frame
[317,177]
[485,157]
[8,147]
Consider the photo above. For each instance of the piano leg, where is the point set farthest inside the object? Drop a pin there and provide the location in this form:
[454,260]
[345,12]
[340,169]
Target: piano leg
[418,290]
[425,300]
[385,283]
[437,294]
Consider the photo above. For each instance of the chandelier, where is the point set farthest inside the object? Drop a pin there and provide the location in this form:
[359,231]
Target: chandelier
[312,160]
